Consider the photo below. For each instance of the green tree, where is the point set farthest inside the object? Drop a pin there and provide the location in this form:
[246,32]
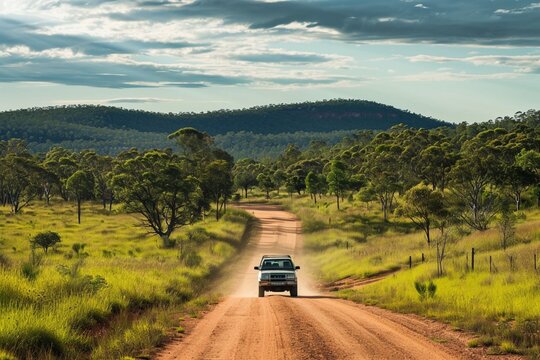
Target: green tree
[81,186]
[312,185]
[266,183]
[337,179]
[45,240]
[382,171]
[20,180]
[217,181]
[159,186]
[245,174]
[422,206]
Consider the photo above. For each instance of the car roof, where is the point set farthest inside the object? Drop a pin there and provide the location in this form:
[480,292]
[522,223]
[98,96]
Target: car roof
[276,256]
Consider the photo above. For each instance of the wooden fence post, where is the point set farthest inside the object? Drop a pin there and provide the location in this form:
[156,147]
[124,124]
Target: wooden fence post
[410,262]
[423,257]
[490,262]
[472,259]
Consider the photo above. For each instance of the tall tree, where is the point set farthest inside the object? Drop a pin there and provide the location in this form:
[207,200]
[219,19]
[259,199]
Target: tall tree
[81,186]
[337,179]
[159,186]
[422,206]
[217,181]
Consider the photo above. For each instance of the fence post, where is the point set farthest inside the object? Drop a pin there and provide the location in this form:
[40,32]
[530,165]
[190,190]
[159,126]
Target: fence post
[423,257]
[472,259]
[490,261]
[410,262]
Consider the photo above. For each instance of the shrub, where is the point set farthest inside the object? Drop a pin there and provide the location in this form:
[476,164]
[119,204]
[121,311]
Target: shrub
[420,289]
[426,290]
[431,289]
[29,271]
[45,240]
[192,259]
[78,249]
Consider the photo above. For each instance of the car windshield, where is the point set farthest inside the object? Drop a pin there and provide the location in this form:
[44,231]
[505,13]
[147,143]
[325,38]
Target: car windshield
[277,264]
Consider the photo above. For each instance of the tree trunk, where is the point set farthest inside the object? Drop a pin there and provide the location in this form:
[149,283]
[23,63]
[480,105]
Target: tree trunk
[79,210]
[166,241]
[217,209]
[428,233]
[337,198]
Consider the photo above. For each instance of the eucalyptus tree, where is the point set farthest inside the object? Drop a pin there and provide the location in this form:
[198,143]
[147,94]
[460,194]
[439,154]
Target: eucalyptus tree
[422,206]
[337,179]
[217,181]
[81,186]
[159,186]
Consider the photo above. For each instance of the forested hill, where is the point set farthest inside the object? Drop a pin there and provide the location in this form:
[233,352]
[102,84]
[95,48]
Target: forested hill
[323,116]
[256,132]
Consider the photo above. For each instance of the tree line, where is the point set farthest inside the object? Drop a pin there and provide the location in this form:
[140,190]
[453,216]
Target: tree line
[472,168]
[169,189]
[480,164]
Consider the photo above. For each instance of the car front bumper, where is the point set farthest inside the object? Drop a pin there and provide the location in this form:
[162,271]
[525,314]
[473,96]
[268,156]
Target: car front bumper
[277,285]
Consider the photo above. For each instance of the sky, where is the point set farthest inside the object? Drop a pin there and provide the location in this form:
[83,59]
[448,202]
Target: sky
[455,60]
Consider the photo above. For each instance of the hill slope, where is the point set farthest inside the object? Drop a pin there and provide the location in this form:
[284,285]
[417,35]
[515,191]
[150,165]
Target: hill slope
[111,129]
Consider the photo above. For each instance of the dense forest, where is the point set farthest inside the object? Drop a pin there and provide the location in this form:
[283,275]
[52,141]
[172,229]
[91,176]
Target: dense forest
[258,132]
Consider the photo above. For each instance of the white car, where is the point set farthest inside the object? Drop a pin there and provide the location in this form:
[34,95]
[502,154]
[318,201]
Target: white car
[277,273]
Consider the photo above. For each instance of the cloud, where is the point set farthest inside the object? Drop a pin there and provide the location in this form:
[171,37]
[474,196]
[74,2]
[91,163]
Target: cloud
[522,63]
[277,57]
[18,33]
[114,101]
[453,76]
[442,22]
[120,73]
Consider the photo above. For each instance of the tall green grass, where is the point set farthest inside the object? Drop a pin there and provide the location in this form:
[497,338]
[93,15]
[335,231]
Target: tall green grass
[503,305]
[114,298]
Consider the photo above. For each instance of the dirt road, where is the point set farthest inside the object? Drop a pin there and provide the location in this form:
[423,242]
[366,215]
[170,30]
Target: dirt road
[312,326]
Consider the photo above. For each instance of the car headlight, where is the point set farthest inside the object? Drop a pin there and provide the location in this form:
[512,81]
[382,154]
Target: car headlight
[291,276]
[265,276]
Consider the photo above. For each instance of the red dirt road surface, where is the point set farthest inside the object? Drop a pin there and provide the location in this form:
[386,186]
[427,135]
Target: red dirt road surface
[312,326]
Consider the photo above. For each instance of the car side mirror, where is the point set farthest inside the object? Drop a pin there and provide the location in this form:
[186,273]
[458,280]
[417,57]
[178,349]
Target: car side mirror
[256,267]
[297,267]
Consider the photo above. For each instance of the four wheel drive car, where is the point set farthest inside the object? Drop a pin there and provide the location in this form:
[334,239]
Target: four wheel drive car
[277,273]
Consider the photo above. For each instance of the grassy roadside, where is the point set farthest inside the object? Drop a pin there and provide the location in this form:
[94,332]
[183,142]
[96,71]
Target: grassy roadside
[502,306]
[115,297]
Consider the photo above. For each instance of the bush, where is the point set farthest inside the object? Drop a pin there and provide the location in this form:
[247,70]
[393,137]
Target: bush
[45,240]
[29,271]
[192,259]
[426,290]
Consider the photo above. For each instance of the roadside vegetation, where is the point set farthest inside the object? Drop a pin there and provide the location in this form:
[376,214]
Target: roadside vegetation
[392,219]
[100,256]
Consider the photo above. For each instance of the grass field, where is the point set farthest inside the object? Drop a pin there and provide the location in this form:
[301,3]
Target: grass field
[117,297]
[502,306]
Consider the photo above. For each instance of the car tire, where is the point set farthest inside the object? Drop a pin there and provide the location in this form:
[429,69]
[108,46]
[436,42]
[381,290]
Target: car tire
[261,292]
[294,291]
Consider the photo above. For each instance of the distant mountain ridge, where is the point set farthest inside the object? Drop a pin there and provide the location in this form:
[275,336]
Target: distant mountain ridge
[256,132]
[320,116]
